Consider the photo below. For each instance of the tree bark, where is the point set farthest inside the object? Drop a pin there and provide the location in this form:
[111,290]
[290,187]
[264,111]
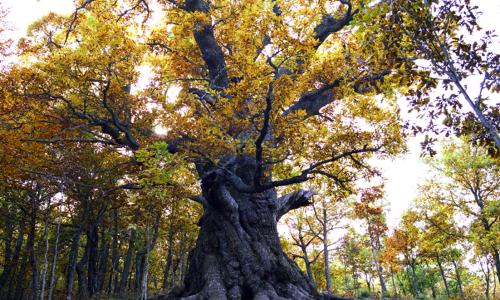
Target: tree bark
[168,264]
[433,290]
[238,253]
[413,279]
[113,278]
[496,256]
[326,253]
[9,233]
[307,263]
[459,280]
[73,257]
[52,281]
[355,280]
[46,253]
[494,287]
[182,260]
[443,276]
[103,260]
[32,254]
[395,292]
[487,276]
[93,256]
[173,271]
[375,253]
[82,273]
[128,258]
[9,269]
[21,276]
[142,259]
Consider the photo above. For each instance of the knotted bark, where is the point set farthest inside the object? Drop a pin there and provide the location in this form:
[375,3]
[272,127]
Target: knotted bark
[238,253]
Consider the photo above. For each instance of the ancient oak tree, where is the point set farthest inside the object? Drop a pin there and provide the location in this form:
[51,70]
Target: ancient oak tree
[272,94]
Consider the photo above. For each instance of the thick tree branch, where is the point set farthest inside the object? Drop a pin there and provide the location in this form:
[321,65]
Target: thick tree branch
[76,140]
[211,52]
[313,101]
[292,201]
[203,96]
[263,133]
[329,24]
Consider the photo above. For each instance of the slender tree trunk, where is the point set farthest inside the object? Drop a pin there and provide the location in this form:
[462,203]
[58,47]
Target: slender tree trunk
[433,290]
[395,290]
[32,254]
[82,273]
[401,284]
[73,257]
[378,267]
[168,264]
[46,253]
[414,279]
[326,256]
[459,280]
[103,267]
[139,263]
[487,280]
[130,277]
[430,279]
[128,257]
[305,256]
[375,253]
[8,272]
[150,244]
[443,276]
[368,283]
[21,276]
[93,256]
[145,272]
[103,260]
[9,234]
[454,77]
[496,257]
[113,278]
[52,281]
[182,260]
[307,262]
[175,264]
[355,280]
[494,287]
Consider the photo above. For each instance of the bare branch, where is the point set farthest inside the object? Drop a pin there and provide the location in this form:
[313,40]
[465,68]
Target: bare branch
[313,169]
[75,16]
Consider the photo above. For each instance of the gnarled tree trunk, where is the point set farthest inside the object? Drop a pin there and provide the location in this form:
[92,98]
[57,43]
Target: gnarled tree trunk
[238,253]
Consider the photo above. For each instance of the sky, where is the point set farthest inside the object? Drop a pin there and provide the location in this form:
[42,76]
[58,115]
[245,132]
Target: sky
[402,173]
